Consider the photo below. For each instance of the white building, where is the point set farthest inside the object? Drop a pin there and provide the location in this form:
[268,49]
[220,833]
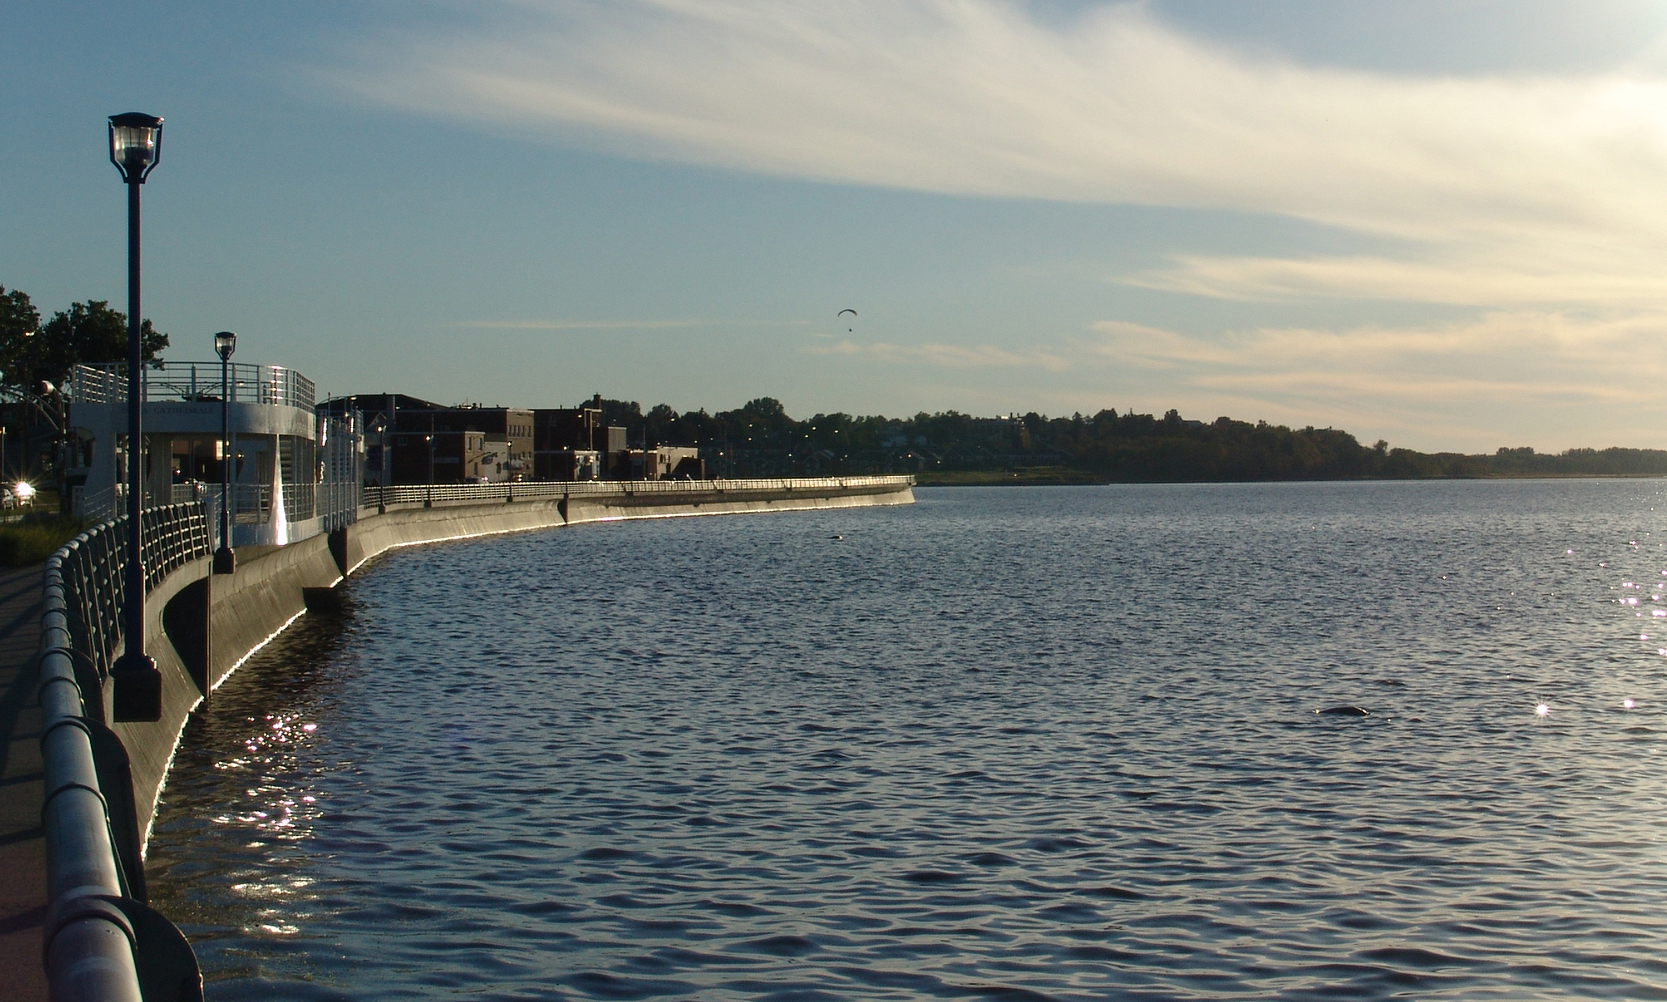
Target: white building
[294,474]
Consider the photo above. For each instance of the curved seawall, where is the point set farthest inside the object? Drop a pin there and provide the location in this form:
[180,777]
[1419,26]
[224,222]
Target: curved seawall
[201,627]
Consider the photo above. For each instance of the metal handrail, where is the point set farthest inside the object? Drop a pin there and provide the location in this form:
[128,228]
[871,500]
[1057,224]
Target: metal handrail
[106,383]
[91,576]
[94,922]
[334,502]
[89,944]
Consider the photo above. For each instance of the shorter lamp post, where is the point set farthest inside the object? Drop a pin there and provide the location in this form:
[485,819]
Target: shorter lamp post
[225,561]
[428,493]
[379,425]
[46,393]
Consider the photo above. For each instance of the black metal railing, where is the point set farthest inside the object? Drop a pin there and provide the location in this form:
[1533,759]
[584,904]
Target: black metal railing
[89,569]
[102,941]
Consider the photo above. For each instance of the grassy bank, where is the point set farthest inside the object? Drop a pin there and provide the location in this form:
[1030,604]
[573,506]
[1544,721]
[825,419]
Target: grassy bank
[30,542]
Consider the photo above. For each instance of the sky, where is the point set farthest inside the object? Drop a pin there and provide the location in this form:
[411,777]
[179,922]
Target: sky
[1443,224]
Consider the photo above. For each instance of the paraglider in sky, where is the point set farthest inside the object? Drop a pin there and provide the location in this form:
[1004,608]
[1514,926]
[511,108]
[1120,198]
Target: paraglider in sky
[845,311]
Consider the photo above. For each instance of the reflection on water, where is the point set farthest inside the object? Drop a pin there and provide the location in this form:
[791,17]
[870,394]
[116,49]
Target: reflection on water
[252,754]
[1016,743]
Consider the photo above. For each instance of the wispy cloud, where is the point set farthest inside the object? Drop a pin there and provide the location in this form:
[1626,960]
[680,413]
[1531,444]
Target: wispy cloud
[1546,189]
[1503,377]
[1536,203]
[1512,273]
[618,325]
[1522,357]
[1531,357]
[952,356]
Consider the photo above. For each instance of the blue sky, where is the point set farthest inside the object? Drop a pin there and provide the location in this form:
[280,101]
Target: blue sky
[1443,224]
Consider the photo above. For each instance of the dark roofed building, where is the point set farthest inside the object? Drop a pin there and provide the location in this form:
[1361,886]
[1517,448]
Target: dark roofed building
[420,439]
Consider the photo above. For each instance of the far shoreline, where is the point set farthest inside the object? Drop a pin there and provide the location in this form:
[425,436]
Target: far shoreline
[1064,477]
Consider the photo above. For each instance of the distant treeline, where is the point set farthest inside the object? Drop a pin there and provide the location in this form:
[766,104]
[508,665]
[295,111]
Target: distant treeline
[760,439]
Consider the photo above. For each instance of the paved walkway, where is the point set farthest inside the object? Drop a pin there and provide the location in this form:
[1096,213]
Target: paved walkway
[22,847]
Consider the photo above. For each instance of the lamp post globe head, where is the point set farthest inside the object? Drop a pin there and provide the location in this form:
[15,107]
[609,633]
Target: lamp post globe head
[225,343]
[135,144]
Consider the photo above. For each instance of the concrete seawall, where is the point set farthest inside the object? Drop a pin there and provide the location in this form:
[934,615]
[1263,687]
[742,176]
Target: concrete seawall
[202,627]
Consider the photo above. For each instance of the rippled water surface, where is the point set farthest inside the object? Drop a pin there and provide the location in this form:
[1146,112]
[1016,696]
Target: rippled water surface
[1025,743]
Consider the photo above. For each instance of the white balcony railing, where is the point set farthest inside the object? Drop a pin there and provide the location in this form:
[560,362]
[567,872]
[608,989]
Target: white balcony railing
[106,383]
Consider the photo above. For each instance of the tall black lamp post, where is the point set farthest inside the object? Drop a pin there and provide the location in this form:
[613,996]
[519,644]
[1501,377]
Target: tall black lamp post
[225,561]
[428,493]
[135,148]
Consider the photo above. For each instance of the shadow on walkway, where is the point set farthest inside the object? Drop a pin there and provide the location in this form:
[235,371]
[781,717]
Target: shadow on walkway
[22,846]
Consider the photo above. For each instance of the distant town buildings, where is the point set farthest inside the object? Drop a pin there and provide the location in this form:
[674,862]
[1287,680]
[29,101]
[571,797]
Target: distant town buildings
[414,441]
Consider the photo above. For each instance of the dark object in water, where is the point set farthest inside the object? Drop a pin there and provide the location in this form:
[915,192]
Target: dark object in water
[1390,681]
[1345,711]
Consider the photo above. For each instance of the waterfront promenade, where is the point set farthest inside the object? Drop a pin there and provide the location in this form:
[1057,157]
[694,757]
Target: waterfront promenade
[22,845]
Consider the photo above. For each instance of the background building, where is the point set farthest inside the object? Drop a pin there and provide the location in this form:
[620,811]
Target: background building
[416,441]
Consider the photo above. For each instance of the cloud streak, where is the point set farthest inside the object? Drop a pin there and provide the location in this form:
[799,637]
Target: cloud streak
[1534,204]
[1523,356]
[1549,188]
[1520,357]
[951,356]
[618,325]
[1466,384]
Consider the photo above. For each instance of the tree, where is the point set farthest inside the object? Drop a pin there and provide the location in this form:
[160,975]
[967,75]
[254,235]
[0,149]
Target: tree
[657,425]
[86,332]
[768,410]
[626,413]
[19,320]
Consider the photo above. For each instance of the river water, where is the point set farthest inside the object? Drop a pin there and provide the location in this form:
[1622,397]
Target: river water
[1024,743]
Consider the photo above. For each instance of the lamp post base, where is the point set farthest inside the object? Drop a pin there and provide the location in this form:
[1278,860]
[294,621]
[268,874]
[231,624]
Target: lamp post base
[225,561]
[138,689]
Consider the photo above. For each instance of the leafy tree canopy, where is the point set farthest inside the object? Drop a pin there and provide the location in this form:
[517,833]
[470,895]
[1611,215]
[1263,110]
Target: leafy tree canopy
[86,332]
[19,320]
